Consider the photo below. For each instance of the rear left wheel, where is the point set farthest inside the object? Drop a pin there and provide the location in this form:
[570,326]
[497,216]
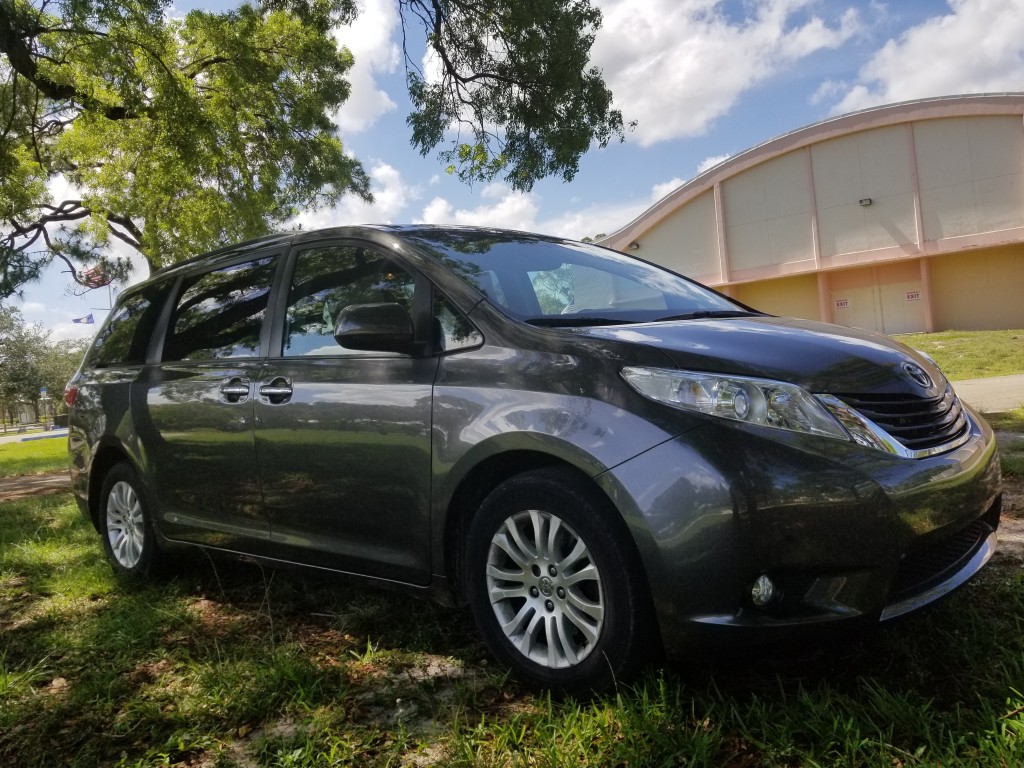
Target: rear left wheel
[126,525]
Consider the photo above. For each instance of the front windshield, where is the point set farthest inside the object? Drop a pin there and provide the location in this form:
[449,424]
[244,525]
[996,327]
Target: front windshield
[565,283]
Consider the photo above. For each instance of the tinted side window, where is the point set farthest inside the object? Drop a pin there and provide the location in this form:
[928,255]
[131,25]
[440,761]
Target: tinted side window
[327,280]
[124,338]
[220,314]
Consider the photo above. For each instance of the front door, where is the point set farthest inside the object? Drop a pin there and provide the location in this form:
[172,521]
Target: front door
[343,437]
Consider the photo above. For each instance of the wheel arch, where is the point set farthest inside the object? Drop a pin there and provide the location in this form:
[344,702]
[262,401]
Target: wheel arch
[107,457]
[488,475]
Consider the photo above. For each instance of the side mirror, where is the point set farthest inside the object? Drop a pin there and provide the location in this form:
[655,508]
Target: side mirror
[375,328]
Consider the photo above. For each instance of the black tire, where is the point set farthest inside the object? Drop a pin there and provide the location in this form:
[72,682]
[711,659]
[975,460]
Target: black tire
[570,613]
[125,522]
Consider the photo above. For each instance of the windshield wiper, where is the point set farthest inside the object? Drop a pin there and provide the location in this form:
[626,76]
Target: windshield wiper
[702,314]
[576,321]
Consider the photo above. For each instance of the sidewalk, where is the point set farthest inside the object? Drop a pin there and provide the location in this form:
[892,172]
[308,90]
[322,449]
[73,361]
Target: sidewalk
[994,394]
[14,437]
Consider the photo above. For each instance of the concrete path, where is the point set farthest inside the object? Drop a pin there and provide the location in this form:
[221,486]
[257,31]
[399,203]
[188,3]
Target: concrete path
[13,436]
[998,393]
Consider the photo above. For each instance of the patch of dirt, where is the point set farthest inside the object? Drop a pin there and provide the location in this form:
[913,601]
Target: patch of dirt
[25,486]
[1011,527]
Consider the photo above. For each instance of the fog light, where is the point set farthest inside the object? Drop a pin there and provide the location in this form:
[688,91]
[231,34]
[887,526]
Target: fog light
[764,592]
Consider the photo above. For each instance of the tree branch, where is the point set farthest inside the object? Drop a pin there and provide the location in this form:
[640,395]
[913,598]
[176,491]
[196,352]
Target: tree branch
[22,61]
[132,234]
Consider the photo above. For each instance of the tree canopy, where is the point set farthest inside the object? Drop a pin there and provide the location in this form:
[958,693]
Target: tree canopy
[30,361]
[181,133]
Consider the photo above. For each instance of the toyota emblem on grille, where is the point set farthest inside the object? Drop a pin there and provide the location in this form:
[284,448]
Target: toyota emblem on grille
[917,373]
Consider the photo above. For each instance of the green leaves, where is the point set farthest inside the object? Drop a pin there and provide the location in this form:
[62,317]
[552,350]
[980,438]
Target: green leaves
[515,94]
[180,134]
[233,137]
[20,369]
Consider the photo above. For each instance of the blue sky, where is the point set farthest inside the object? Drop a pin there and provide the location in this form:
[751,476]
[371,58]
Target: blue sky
[703,79]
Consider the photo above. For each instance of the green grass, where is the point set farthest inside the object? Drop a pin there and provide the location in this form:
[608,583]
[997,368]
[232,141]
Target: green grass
[226,664]
[1011,444]
[34,456]
[972,354]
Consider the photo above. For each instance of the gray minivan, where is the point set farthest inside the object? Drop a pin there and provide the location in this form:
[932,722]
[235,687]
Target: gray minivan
[601,457]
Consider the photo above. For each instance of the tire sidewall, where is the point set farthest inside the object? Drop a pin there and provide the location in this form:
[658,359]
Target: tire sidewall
[559,493]
[146,566]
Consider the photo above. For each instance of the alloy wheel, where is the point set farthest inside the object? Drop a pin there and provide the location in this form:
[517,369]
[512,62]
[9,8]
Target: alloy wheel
[545,589]
[126,529]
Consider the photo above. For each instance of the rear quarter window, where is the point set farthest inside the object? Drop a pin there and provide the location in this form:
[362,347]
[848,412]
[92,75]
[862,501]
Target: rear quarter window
[124,338]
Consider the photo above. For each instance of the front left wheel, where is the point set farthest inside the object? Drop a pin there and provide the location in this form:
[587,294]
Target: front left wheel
[126,524]
[558,596]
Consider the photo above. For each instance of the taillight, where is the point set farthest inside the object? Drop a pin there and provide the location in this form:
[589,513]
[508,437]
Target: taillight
[70,395]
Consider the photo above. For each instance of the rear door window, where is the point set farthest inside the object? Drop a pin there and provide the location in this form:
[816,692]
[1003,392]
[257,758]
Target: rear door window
[220,314]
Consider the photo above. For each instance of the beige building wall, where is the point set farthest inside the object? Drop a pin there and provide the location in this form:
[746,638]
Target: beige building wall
[865,192]
[688,241]
[971,174]
[768,213]
[979,290]
[902,218]
[788,297]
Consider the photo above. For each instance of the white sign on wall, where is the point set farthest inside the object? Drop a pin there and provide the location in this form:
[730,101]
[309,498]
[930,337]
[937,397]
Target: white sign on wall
[842,303]
[913,295]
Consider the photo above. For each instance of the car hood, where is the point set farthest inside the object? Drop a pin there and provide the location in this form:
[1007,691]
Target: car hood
[817,356]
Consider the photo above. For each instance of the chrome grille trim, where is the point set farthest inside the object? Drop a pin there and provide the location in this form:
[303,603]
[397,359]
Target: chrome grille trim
[870,434]
[916,422]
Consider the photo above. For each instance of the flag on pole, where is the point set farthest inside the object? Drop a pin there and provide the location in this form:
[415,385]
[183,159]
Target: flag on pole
[87,320]
[94,277]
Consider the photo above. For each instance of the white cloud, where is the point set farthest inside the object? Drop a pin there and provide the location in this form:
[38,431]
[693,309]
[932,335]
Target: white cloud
[507,208]
[829,89]
[66,330]
[658,191]
[369,38]
[391,197]
[976,48]
[593,220]
[677,65]
[494,191]
[710,162]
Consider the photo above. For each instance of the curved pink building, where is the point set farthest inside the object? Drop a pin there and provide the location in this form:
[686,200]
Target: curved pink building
[902,218]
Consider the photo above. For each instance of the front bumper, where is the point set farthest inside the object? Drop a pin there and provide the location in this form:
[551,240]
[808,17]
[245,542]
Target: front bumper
[849,535]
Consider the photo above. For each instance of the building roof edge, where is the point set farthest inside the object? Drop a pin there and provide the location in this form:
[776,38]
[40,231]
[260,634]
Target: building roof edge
[1009,103]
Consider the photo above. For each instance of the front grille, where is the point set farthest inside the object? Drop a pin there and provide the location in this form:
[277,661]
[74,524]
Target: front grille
[929,565]
[917,423]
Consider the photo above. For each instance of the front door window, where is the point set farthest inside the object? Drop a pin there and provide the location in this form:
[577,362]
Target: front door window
[327,280]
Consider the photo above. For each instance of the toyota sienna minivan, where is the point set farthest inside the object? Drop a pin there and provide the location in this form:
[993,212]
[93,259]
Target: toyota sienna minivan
[602,458]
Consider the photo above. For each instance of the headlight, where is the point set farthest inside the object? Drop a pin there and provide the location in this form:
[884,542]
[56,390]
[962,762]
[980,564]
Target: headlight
[753,401]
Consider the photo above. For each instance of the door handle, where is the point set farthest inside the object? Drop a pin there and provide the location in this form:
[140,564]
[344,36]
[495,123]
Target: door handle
[235,390]
[277,391]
